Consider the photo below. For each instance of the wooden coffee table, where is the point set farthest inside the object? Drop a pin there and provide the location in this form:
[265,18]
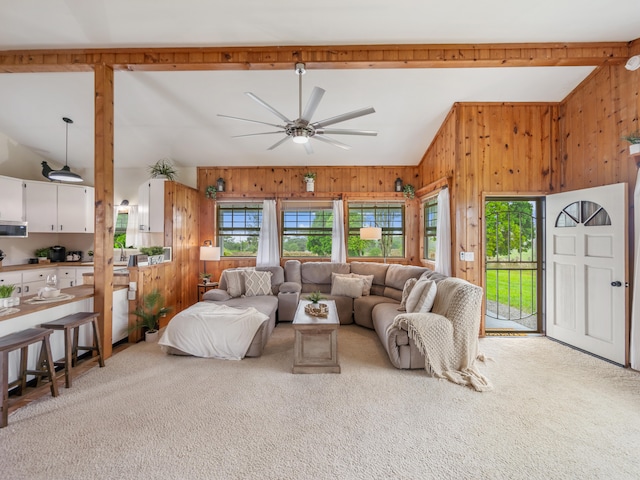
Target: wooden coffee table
[315,347]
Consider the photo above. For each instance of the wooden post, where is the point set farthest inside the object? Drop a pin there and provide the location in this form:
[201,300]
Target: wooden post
[103,236]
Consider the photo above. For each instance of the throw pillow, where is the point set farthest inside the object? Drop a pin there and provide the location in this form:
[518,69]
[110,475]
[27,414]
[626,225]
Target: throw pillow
[367,282]
[216,295]
[408,286]
[235,282]
[257,283]
[421,297]
[346,287]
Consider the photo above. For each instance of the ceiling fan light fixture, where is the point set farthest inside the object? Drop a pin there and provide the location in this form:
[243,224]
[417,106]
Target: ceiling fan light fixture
[65,174]
[299,135]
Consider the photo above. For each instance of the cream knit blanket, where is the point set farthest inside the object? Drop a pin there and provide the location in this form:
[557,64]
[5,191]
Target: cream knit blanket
[448,335]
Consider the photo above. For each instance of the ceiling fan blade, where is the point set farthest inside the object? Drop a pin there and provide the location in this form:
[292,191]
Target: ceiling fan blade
[268,107]
[345,131]
[308,148]
[345,116]
[333,142]
[278,143]
[312,104]
[253,121]
[254,134]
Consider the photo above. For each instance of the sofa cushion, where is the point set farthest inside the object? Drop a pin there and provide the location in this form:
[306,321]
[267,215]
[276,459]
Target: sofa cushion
[292,271]
[422,296]
[346,286]
[378,270]
[257,283]
[408,286]
[316,276]
[367,281]
[363,308]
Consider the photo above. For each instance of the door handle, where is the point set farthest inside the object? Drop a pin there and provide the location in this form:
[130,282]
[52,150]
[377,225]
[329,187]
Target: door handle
[616,284]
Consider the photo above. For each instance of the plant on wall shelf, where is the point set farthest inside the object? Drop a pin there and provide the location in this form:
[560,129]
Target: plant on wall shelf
[150,251]
[211,192]
[310,176]
[633,138]
[409,191]
[163,168]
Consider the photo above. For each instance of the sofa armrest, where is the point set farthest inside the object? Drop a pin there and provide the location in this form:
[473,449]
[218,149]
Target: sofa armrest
[287,305]
[290,287]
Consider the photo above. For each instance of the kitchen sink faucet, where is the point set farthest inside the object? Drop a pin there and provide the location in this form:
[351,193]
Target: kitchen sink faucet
[123,257]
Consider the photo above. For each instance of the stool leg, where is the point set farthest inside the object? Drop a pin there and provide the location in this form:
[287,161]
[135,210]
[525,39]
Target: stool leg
[4,379]
[40,366]
[68,357]
[76,333]
[96,340]
[24,356]
[50,367]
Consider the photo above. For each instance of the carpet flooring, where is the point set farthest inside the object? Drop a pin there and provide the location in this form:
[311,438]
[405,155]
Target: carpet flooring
[554,413]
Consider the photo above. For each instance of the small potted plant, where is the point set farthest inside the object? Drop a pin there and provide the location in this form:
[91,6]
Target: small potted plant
[149,313]
[163,169]
[42,254]
[5,295]
[315,297]
[409,191]
[310,178]
[155,254]
[211,192]
[2,256]
[634,141]
[205,277]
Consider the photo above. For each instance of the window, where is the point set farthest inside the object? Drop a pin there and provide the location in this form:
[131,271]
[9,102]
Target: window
[306,229]
[389,217]
[430,227]
[239,228]
[120,228]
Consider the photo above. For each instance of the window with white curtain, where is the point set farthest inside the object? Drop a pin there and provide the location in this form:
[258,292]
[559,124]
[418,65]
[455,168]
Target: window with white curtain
[306,228]
[239,228]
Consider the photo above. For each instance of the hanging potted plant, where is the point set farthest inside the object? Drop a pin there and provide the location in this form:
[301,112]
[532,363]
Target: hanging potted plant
[163,168]
[409,191]
[634,140]
[211,192]
[149,313]
[310,178]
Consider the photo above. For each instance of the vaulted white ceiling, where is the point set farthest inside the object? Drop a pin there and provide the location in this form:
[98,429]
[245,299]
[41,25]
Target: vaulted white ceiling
[174,114]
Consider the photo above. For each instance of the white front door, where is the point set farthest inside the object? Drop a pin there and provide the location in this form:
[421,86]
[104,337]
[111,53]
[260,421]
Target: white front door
[586,253]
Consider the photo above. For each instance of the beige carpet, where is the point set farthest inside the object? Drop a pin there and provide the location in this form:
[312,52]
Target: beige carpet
[554,413]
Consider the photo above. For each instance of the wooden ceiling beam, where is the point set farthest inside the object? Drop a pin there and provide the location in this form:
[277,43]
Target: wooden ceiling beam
[325,57]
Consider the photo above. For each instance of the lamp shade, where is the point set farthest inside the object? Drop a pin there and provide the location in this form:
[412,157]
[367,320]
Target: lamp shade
[371,233]
[208,254]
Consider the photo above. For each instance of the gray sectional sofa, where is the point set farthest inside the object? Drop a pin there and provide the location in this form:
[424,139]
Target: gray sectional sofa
[376,310]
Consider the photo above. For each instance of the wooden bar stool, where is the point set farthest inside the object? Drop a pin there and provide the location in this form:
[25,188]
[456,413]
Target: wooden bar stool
[72,323]
[22,340]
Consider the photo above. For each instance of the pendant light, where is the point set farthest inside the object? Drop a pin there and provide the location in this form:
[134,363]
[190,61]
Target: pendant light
[65,174]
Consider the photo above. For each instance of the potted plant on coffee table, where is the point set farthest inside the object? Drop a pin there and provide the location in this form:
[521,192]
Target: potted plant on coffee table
[149,313]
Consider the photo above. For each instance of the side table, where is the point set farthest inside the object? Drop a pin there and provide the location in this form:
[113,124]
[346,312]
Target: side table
[203,287]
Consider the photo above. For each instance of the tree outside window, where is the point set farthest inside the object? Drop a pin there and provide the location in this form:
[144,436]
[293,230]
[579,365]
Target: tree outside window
[389,217]
[306,229]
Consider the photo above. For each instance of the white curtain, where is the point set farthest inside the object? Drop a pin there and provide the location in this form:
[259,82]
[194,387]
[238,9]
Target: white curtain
[133,229]
[635,302]
[268,244]
[443,239]
[338,246]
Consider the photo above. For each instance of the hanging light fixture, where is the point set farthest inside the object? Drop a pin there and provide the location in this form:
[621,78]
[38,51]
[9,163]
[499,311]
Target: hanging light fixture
[65,174]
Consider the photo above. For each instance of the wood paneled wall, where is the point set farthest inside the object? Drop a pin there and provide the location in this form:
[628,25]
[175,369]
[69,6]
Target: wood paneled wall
[287,182]
[489,149]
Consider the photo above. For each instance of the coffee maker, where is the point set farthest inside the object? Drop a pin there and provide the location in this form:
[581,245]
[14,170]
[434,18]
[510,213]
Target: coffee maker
[57,253]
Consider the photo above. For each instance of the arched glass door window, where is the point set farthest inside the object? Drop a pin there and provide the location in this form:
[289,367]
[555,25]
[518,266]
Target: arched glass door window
[590,214]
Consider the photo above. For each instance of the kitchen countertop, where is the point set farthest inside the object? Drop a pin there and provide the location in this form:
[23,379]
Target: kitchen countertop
[34,266]
[80,292]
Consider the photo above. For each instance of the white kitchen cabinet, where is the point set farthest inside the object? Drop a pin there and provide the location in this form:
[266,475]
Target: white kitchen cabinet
[71,276]
[151,205]
[51,207]
[34,280]
[11,205]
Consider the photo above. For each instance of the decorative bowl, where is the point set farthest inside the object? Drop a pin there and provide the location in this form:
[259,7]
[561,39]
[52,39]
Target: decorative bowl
[49,292]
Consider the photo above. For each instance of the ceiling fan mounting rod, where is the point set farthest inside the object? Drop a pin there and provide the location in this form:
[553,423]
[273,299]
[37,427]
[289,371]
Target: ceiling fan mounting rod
[300,70]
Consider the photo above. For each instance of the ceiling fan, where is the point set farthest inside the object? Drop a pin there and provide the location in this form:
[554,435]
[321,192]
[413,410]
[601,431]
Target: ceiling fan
[302,129]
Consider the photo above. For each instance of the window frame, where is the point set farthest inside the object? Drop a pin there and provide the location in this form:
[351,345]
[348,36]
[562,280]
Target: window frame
[294,206]
[387,230]
[242,231]
[428,230]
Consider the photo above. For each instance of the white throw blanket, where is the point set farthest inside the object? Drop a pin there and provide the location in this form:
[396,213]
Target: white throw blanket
[449,339]
[213,331]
